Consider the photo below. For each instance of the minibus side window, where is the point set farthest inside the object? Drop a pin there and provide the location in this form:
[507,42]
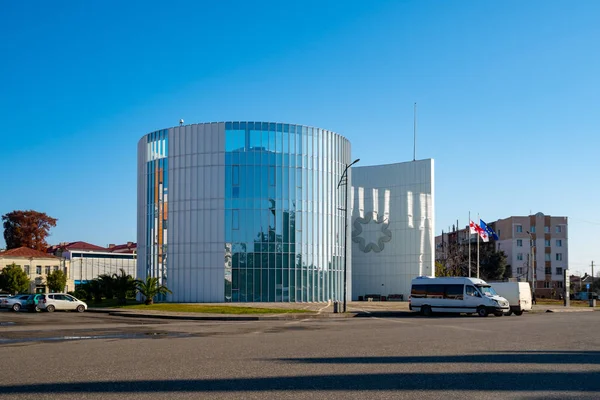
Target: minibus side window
[454,292]
[471,291]
[419,291]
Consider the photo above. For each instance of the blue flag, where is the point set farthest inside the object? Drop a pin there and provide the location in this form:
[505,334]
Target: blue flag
[489,230]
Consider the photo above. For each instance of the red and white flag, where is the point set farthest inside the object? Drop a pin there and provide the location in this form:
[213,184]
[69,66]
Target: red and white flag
[474,228]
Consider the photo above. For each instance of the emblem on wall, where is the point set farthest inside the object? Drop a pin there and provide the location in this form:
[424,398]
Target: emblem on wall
[385,233]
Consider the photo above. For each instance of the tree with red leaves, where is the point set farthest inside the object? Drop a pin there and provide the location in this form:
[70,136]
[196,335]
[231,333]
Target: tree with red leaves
[27,229]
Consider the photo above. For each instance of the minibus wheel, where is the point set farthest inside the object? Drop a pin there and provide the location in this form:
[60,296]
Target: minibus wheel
[520,312]
[426,310]
[482,312]
[508,313]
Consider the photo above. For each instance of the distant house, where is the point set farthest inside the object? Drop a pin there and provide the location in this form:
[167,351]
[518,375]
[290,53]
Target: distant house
[37,265]
[89,261]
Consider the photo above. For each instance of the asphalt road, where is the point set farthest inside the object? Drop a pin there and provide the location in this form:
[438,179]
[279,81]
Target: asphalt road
[93,356]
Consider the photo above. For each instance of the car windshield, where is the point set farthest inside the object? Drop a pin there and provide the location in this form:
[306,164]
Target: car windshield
[487,290]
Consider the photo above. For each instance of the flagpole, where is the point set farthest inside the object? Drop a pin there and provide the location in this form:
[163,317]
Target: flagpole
[469,239]
[478,250]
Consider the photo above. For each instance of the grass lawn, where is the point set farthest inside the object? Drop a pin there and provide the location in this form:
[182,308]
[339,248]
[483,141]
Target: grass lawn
[194,308]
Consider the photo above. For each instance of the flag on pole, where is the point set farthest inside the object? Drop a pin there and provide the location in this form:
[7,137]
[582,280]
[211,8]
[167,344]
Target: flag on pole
[474,228]
[488,229]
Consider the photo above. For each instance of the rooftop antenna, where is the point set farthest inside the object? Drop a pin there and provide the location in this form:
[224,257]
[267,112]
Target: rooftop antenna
[181,122]
[415,133]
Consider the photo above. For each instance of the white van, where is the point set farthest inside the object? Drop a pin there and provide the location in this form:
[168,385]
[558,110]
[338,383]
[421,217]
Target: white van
[518,295]
[455,295]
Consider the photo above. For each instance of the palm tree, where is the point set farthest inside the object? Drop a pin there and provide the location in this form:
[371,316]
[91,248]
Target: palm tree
[151,288]
[96,290]
[121,284]
[107,283]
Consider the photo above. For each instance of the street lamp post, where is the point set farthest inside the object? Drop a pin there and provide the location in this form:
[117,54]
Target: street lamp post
[532,262]
[344,181]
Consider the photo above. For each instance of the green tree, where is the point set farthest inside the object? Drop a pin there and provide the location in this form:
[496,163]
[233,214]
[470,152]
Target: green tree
[14,280]
[107,283]
[95,287]
[27,229]
[150,288]
[122,284]
[87,288]
[56,281]
[493,265]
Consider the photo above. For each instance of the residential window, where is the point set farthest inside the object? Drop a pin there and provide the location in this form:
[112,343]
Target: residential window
[559,270]
[532,229]
[546,229]
[56,268]
[547,257]
[548,270]
[26,269]
[38,269]
[519,228]
[546,285]
[498,233]
[558,256]
[47,269]
[519,270]
[558,229]
[559,284]
[519,243]
[520,256]
[547,242]
[558,243]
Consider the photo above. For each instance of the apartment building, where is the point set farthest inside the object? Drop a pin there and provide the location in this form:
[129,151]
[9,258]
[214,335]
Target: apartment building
[537,248]
[37,265]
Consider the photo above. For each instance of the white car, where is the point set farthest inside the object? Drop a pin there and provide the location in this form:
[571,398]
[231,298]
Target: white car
[61,301]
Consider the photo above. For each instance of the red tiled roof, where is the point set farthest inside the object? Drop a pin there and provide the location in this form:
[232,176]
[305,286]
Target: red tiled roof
[77,246]
[123,248]
[25,252]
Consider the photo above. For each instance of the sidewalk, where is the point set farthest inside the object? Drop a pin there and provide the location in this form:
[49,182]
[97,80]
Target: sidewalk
[557,308]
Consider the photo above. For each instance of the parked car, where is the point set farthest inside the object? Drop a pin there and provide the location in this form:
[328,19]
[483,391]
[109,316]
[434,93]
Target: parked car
[32,304]
[15,303]
[61,301]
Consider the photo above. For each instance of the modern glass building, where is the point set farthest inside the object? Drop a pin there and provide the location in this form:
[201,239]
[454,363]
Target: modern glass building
[243,212]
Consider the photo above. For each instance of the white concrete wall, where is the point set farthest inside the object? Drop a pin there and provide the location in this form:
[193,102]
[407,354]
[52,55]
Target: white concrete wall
[393,225]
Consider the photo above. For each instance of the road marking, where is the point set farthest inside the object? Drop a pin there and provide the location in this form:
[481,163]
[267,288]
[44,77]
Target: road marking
[322,308]
[298,322]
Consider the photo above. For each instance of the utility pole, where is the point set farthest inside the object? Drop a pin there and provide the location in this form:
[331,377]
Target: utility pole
[592,285]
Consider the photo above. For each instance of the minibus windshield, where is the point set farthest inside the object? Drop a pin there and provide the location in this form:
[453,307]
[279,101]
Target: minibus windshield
[487,290]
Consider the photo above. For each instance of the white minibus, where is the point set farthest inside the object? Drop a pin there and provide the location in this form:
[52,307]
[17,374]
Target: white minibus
[455,295]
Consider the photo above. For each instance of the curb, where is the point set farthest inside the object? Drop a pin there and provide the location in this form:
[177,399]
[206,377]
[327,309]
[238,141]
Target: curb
[276,317]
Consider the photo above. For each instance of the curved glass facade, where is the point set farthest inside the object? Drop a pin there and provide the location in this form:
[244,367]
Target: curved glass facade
[255,213]
[283,229]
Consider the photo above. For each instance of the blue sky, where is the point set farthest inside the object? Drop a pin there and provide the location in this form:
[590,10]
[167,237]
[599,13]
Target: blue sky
[508,98]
